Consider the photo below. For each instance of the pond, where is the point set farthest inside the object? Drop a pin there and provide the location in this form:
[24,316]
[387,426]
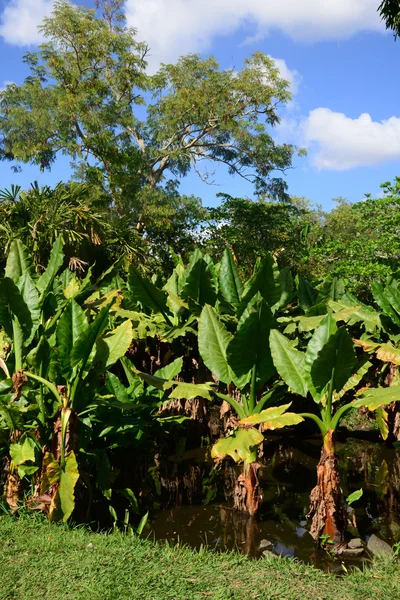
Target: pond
[287,475]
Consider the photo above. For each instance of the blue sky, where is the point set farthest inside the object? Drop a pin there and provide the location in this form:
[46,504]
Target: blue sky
[342,64]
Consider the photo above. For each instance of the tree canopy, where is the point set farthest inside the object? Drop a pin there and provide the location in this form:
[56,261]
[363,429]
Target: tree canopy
[89,97]
[358,242]
[389,10]
[252,229]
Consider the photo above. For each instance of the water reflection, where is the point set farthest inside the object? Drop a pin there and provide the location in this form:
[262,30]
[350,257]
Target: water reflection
[286,478]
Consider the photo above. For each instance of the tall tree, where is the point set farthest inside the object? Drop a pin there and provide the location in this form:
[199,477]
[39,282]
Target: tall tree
[89,97]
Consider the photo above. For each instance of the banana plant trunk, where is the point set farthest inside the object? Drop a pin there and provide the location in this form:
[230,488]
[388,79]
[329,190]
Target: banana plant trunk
[247,489]
[71,442]
[13,486]
[393,410]
[13,482]
[327,508]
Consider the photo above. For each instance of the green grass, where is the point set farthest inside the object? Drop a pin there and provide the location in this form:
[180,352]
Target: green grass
[40,560]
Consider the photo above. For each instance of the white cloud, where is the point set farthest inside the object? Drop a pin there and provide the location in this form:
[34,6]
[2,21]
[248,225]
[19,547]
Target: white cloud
[290,75]
[20,20]
[338,142]
[176,27]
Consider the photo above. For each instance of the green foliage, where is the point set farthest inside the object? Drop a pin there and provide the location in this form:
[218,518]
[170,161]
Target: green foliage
[273,418]
[252,334]
[252,229]
[289,362]
[78,215]
[357,242]
[241,445]
[90,366]
[354,496]
[87,100]
[389,11]
[213,341]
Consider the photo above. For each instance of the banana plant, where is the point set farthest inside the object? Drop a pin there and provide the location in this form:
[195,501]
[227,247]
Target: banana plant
[23,315]
[56,349]
[329,371]
[242,361]
[384,344]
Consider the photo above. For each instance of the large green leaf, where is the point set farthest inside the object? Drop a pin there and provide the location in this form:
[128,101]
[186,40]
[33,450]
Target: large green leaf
[115,386]
[19,262]
[307,294]
[156,382]
[383,302]
[85,343]
[11,297]
[23,451]
[332,288]
[288,362]
[68,479]
[250,345]
[39,357]
[230,283]
[31,298]
[67,476]
[321,335]
[213,340]
[55,263]
[311,323]
[373,398]
[267,281]
[361,370]
[336,359]
[115,344]
[144,292]
[199,283]
[171,370]
[175,303]
[189,391]
[240,445]
[287,289]
[393,295]
[272,418]
[11,415]
[361,313]
[381,416]
[72,325]
[183,273]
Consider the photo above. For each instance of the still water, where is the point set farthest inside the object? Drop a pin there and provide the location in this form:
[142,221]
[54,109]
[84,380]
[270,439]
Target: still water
[287,475]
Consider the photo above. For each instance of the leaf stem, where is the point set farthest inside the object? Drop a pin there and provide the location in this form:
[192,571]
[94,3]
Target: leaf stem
[253,395]
[321,425]
[46,383]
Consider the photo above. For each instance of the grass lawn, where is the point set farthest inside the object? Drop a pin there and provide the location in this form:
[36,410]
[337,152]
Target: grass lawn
[44,561]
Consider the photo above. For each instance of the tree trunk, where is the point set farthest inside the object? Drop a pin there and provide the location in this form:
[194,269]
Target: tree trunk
[246,494]
[393,410]
[327,508]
